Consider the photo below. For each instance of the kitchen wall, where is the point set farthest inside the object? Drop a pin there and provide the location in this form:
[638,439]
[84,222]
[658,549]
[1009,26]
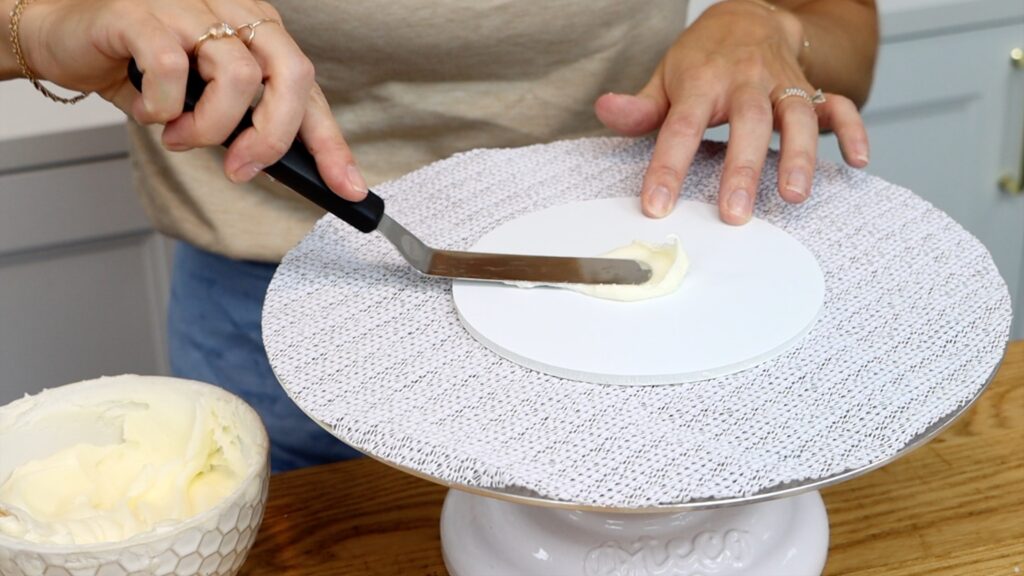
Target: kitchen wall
[83,277]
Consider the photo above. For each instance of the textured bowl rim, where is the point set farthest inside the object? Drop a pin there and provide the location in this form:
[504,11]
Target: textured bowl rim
[257,471]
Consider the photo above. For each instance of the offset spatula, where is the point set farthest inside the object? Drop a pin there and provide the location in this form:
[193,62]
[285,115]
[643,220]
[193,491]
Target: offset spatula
[297,170]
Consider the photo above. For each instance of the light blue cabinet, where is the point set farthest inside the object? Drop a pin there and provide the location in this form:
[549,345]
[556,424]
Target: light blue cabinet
[946,120]
[83,276]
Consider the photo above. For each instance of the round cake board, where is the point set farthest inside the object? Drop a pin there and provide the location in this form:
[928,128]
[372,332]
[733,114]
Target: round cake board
[751,292]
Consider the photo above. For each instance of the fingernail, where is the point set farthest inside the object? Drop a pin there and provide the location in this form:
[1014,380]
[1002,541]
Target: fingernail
[739,203]
[797,183]
[355,179]
[860,154]
[247,172]
[659,202]
[174,145]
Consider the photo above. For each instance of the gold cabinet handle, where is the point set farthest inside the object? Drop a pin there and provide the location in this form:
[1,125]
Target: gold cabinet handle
[1008,183]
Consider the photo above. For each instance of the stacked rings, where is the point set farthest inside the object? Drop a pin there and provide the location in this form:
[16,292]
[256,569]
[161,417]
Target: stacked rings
[224,30]
[817,98]
[251,27]
[214,32]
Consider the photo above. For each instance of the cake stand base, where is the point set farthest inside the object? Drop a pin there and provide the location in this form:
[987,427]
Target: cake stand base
[485,536]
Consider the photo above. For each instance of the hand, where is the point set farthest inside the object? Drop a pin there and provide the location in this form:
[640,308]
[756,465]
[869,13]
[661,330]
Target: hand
[729,66]
[86,44]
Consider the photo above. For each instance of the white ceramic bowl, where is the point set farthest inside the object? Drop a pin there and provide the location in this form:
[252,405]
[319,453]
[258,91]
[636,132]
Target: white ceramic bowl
[212,543]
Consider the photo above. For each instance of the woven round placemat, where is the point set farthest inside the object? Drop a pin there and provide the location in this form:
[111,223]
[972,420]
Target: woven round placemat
[916,318]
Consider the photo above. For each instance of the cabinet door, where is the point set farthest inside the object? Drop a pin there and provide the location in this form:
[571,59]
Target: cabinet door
[946,119]
[83,278]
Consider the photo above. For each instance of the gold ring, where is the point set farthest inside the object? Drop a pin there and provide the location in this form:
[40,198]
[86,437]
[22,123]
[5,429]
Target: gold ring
[214,32]
[794,92]
[251,27]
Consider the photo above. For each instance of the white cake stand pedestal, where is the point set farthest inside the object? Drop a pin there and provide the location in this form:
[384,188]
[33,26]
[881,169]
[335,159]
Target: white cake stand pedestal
[481,535]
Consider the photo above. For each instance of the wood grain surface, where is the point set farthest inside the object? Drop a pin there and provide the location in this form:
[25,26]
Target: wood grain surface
[952,507]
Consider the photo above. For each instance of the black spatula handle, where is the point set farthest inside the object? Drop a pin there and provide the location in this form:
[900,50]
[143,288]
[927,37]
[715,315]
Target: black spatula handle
[296,169]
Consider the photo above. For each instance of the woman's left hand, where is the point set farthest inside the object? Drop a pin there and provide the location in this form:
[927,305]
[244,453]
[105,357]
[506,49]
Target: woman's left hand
[730,66]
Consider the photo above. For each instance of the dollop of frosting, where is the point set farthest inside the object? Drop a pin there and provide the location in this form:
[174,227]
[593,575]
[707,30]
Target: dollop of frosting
[668,264]
[172,453]
[667,261]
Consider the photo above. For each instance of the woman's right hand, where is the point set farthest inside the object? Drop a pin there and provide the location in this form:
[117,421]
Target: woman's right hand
[86,44]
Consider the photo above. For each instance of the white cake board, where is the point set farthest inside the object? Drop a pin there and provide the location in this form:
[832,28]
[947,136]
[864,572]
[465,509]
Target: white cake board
[481,535]
[751,292]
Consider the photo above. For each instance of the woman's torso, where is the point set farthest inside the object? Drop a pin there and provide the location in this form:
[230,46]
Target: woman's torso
[411,82]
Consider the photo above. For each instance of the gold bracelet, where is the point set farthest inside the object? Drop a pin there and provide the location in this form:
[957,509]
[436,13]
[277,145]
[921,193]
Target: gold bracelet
[19,7]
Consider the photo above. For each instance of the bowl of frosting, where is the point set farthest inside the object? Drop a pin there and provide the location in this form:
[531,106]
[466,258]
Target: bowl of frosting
[130,475]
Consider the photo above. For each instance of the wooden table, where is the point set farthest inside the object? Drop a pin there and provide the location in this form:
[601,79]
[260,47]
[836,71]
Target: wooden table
[953,507]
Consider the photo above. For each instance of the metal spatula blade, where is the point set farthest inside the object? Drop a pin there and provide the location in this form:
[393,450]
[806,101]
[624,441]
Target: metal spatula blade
[297,170]
[510,267]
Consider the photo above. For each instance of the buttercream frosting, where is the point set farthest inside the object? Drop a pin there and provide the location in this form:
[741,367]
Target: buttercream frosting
[667,261]
[170,453]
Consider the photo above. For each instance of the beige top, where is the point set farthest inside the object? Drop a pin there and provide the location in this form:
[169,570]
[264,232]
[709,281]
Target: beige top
[411,82]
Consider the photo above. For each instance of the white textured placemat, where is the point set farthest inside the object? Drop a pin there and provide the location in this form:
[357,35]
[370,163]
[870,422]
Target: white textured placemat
[916,318]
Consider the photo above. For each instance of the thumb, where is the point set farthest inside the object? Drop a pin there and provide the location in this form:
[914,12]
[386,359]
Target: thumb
[634,115]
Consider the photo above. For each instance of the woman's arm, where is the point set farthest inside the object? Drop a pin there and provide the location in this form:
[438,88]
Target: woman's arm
[843,42]
[733,65]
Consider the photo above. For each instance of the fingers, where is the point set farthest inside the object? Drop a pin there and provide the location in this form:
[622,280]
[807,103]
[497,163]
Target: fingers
[334,160]
[798,124]
[290,103]
[276,119]
[840,115]
[677,142]
[634,115]
[630,115]
[750,133]
[233,79]
[288,79]
[161,58]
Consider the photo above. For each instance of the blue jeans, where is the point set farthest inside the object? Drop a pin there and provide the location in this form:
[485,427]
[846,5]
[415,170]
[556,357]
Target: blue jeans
[214,335]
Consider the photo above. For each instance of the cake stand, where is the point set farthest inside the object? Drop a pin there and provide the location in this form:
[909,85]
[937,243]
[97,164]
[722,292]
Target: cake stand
[551,475]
